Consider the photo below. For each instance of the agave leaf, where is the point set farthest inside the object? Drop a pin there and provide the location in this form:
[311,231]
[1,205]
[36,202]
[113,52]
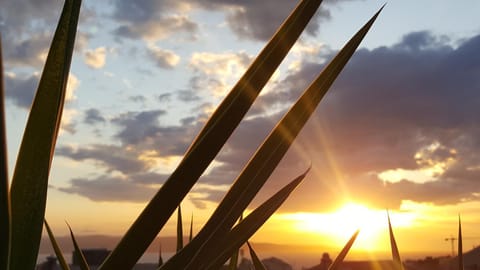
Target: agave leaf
[160,259]
[190,236]
[56,248]
[395,254]
[460,245]
[210,140]
[232,265]
[267,157]
[256,261]
[179,229]
[78,252]
[248,226]
[5,214]
[339,259]
[30,178]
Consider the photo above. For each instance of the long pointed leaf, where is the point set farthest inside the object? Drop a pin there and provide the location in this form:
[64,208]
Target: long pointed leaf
[267,157]
[5,214]
[56,248]
[256,261]
[339,259]
[78,252]
[30,179]
[232,265]
[395,254]
[190,236]
[160,259]
[460,245]
[210,140]
[179,229]
[248,226]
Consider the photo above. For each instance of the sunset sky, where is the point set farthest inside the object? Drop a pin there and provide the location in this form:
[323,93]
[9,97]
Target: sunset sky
[398,130]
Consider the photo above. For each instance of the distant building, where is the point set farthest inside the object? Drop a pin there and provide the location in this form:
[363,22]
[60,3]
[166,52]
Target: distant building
[94,257]
[276,264]
[49,264]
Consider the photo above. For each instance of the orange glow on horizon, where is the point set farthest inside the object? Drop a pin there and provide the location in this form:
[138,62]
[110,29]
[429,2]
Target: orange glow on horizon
[338,226]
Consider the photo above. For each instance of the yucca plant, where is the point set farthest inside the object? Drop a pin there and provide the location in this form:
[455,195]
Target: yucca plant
[397,261]
[23,207]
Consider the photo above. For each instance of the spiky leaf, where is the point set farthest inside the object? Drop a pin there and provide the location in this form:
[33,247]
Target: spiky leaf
[5,214]
[56,248]
[257,264]
[190,236]
[78,252]
[339,259]
[30,178]
[397,261]
[267,157]
[248,226]
[179,229]
[460,245]
[232,264]
[210,140]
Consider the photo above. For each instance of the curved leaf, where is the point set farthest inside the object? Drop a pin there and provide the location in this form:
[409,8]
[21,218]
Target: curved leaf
[395,254]
[256,261]
[267,157]
[249,225]
[56,248]
[460,245]
[210,140]
[5,214]
[179,229]
[78,252]
[30,178]
[232,264]
[190,236]
[160,259]
[339,259]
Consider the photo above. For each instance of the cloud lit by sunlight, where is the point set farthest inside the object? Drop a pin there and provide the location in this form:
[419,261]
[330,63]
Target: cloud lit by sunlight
[433,159]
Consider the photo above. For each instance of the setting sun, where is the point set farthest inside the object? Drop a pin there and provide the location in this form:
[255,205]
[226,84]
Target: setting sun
[339,225]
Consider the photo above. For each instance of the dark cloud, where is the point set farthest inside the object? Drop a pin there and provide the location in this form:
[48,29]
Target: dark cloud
[164,59]
[407,106]
[93,116]
[247,19]
[388,105]
[110,157]
[20,90]
[165,97]
[255,19]
[138,98]
[105,188]
[27,28]
[187,96]
[151,20]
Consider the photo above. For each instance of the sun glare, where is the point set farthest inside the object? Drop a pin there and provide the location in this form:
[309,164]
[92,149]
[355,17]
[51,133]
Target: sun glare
[338,226]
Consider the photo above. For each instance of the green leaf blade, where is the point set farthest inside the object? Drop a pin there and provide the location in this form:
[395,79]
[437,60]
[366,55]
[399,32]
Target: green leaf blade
[397,261]
[339,259]
[256,261]
[56,248]
[179,229]
[249,225]
[460,245]
[30,179]
[209,141]
[269,154]
[78,252]
[5,211]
